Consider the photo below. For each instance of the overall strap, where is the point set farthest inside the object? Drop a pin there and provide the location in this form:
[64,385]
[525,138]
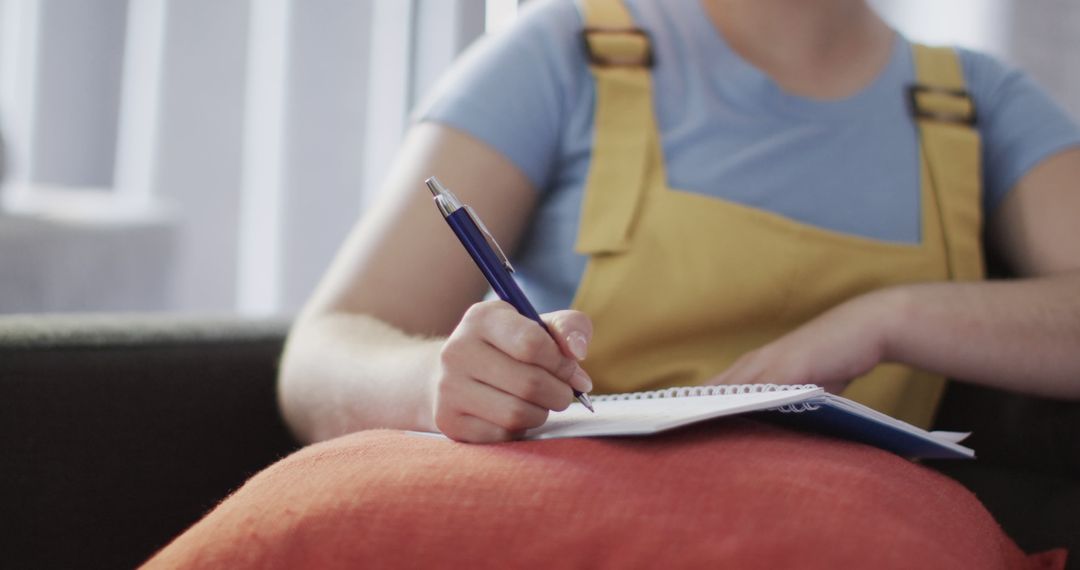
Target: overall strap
[620,57]
[950,152]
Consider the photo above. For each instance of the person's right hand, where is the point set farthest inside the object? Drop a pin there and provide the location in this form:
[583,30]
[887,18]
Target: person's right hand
[500,373]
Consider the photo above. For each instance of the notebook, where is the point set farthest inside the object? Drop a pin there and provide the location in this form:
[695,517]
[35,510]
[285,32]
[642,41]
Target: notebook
[803,406]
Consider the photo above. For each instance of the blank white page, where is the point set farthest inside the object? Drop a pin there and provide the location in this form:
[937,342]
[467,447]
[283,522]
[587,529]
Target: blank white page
[645,416]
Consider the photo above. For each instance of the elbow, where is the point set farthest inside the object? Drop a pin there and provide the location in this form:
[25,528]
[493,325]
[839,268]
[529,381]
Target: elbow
[296,390]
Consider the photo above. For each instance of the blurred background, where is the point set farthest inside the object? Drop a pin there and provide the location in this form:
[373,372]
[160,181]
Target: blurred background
[208,156]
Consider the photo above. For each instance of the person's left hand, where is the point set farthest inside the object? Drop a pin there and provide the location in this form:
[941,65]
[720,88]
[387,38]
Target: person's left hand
[831,350]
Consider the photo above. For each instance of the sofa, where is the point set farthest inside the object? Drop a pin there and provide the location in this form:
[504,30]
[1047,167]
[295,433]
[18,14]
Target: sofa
[118,432]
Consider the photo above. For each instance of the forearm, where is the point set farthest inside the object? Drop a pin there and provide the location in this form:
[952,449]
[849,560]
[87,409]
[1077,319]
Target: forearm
[1021,335]
[346,372]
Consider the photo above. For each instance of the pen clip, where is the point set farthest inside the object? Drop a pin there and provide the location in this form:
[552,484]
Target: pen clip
[489,238]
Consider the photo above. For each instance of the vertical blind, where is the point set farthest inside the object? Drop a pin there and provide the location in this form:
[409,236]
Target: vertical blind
[262,127]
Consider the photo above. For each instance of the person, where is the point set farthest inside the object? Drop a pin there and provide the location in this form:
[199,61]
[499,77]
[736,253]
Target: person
[696,191]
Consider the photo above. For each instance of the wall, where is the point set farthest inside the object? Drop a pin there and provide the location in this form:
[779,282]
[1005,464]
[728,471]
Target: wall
[1045,41]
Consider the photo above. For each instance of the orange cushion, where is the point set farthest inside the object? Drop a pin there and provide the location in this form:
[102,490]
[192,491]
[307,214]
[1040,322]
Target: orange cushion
[732,494]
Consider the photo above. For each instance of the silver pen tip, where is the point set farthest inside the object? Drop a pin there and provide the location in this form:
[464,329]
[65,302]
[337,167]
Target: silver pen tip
[585,401]
[435,186]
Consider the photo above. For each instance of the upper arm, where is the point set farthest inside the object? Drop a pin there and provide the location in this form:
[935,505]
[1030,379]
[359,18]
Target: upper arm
[1031,169]
[1036,228]
[401,263]
[490,132]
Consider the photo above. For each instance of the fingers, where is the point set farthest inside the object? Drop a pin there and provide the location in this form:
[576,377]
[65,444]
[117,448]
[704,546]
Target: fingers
[482,413]
[743,371]
[525,381]
[766,365]
[500,325]
[471,429]
[501,373]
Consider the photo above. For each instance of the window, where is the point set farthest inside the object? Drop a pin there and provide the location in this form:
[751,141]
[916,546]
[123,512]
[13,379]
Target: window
[241,129]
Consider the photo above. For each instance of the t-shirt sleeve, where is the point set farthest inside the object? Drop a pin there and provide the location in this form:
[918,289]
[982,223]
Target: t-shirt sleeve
[513,89]
[1019,123]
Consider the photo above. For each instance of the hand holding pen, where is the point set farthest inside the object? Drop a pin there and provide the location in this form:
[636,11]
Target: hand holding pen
[519,364]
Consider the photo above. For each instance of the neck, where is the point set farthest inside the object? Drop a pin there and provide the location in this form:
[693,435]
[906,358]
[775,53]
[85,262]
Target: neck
[816,48]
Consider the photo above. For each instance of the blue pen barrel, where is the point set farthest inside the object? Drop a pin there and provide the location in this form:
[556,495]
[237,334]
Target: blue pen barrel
[489,263]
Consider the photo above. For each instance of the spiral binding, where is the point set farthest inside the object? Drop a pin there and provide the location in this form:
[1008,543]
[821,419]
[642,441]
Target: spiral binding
[797,407]
[722,390]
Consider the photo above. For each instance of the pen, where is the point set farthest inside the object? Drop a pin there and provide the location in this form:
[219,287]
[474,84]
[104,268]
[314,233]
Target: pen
[489,257]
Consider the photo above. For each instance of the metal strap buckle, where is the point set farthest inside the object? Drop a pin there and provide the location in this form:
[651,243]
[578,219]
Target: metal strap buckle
[921,112]
[646,61]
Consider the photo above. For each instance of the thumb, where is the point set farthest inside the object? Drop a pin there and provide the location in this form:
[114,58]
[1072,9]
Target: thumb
[572,331]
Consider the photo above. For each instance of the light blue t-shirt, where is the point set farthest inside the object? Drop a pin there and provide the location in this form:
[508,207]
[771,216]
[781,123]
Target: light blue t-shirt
[727,130]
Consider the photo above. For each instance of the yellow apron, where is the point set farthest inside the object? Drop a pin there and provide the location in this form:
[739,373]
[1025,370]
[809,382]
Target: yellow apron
[679,284]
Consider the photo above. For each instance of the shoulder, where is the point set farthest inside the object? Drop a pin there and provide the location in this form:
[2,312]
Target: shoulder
[553,17]
[986,75]
[1001,89]
[513,89]
[540,24]
[544,35]
[1020,122]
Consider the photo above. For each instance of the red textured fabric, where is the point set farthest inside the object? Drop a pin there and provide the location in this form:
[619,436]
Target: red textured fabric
[731,494]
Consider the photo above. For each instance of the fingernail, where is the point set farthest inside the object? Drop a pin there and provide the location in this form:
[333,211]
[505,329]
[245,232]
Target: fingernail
[578,344]
[581,381]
